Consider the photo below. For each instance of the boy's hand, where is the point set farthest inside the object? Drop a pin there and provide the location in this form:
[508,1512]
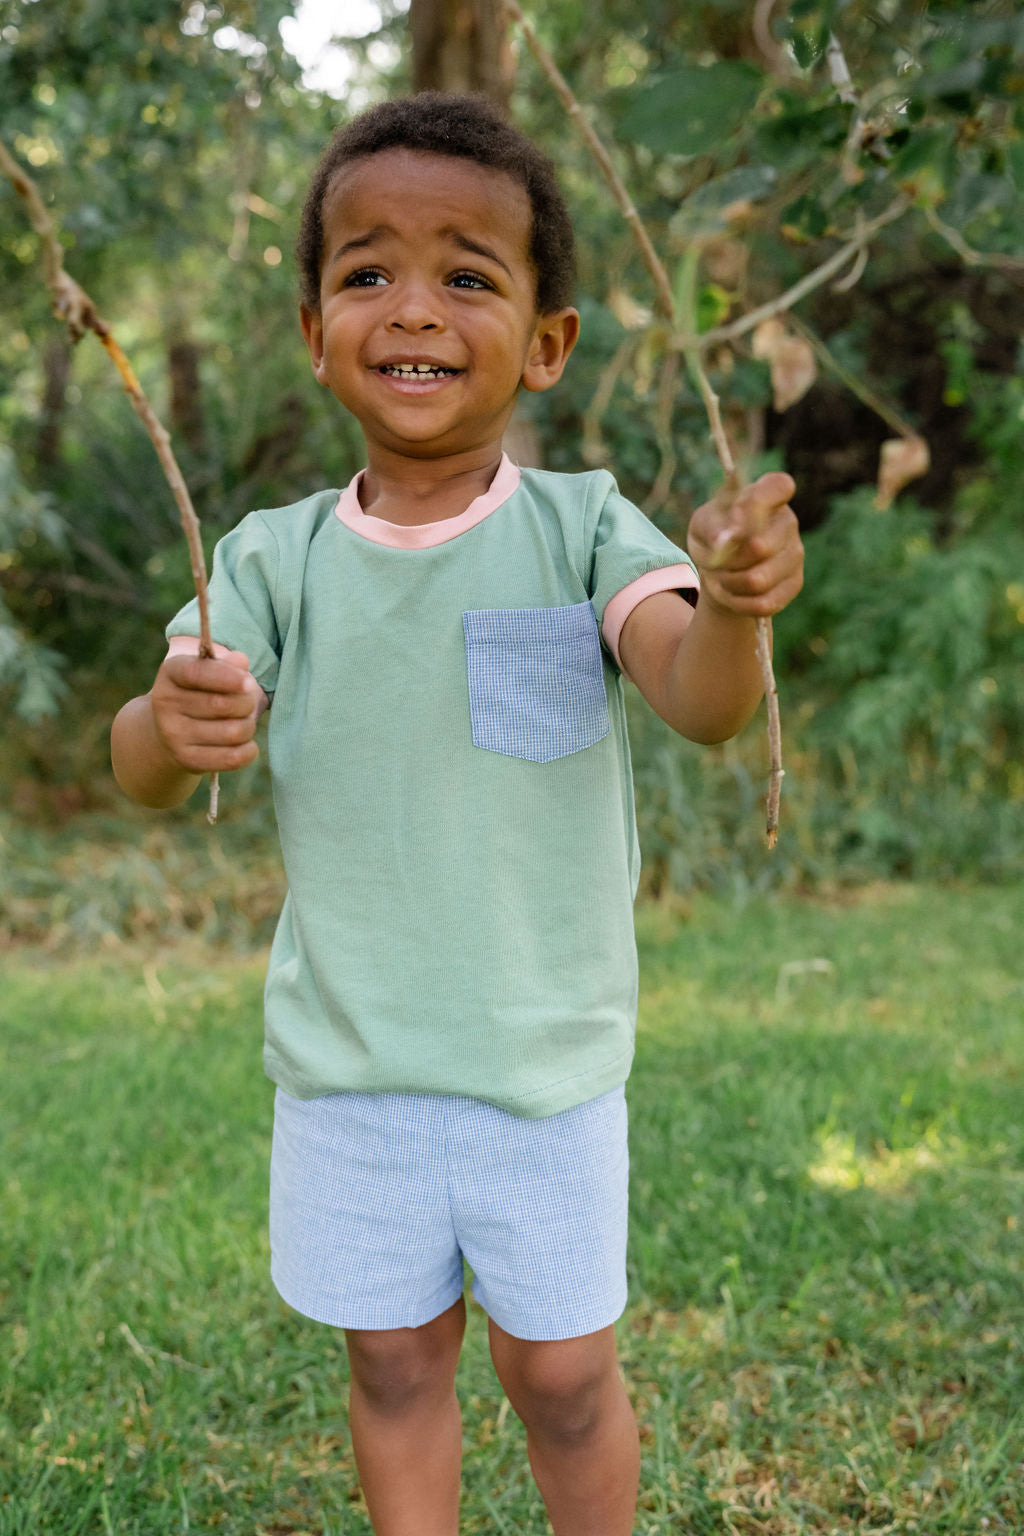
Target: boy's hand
[205,711]
[748,551]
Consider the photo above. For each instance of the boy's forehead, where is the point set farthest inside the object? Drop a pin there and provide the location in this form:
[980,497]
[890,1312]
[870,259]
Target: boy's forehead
[397,187]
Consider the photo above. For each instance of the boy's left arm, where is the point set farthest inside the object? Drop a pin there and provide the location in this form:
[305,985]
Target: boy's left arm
[697,667]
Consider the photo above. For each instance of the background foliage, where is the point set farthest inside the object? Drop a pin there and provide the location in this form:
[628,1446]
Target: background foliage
[175,148]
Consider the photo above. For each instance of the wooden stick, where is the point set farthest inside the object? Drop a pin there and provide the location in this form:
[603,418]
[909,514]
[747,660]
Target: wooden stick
[666,305]
[662,286]
[74,306]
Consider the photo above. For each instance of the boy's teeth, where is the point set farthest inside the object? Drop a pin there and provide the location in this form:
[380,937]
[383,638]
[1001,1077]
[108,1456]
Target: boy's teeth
[416,370]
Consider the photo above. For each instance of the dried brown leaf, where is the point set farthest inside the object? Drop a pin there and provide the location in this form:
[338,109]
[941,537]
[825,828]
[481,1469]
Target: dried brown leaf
[902,459]
[766,337]
[794,370]
[792,362]
[630,315]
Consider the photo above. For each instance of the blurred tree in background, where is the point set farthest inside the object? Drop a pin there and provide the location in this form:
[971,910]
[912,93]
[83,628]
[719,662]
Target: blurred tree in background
[174,144]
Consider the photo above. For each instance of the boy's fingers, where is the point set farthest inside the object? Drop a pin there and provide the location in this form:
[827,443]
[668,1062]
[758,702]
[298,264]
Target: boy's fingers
[218,734]
[753,508]
[780,571]
[220,759]
[736,548]
[725,531]
[772,490]
[199,705]
[207,674]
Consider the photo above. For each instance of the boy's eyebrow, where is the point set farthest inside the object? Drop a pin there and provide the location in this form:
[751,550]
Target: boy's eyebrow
[360,240]
[477,248]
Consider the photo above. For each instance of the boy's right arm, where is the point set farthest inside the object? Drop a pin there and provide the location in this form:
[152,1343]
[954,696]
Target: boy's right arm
[199,717]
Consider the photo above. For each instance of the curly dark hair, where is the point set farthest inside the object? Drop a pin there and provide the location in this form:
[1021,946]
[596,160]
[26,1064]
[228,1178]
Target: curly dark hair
[470,128]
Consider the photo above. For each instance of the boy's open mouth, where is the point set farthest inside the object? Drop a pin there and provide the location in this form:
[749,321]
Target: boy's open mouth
[417,371]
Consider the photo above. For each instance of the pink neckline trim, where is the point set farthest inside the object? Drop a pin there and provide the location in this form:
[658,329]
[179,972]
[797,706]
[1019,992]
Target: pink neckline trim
[425,535]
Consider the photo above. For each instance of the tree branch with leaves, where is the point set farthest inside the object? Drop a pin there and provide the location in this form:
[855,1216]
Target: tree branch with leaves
[75,308]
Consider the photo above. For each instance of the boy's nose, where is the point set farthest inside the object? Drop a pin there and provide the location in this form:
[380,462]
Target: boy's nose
[414,310]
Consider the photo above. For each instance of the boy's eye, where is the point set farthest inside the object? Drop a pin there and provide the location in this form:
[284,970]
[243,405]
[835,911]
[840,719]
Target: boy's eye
[469,280]
[365,277]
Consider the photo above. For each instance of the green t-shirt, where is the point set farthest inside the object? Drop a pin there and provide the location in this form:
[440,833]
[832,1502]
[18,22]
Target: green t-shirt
[451,775]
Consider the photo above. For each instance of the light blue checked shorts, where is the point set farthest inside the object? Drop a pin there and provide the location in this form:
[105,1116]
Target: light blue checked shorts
[376,1198]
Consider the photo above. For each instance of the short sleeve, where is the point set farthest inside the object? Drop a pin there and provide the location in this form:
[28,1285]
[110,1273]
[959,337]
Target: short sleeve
[631,560]
[242,584]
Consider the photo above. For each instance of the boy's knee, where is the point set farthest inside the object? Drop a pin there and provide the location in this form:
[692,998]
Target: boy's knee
[396,1367]
[559,1389]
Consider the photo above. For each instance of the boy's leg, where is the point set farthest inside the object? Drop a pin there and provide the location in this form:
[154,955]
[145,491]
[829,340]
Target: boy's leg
[580,1430]
[406,1428]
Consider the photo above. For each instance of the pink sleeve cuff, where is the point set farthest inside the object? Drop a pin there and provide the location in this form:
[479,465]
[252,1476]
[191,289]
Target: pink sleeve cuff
[670,578]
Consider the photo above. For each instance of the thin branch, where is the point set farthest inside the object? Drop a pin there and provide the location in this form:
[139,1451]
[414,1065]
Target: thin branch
[74,306]
[666,304]
[799,290]
[98,555]
[593,443]
[126,597]
[852,278]
[771,49]
[967,253]
[862,131]
[889,415]
[663,433]
[839,71]
[662,286]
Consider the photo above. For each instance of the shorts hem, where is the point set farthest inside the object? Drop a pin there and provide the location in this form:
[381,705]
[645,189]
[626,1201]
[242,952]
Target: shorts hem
[365,1317]
[576,1327]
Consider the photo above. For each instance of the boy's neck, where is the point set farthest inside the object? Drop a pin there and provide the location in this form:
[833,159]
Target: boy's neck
[412,492]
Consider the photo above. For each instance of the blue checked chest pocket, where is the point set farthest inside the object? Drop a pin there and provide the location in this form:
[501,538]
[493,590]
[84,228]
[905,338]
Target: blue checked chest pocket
[536,681]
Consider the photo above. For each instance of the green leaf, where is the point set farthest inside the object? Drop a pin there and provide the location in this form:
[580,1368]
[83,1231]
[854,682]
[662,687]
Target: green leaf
[713,304]
[705,211]
[808,45]
[692,110]
[804,219]
[1015,162]
[957,81]
[926,165]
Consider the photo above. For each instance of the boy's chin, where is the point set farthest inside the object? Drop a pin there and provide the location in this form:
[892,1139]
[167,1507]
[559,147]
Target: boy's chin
[427,444]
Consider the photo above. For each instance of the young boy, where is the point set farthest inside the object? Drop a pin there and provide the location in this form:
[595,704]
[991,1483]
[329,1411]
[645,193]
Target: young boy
[451,992]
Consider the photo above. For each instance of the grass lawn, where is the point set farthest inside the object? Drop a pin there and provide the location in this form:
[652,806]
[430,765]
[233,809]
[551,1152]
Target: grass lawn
[825,1323]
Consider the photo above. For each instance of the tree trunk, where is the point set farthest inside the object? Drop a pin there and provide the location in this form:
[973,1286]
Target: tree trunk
[56,371]
[461,45]
[186,408]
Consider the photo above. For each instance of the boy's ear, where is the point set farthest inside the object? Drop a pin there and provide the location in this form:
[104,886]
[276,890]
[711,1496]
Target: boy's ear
[553,339]
[313,330]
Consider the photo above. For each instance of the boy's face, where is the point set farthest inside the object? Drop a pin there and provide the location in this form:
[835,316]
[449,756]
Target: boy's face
[426,266]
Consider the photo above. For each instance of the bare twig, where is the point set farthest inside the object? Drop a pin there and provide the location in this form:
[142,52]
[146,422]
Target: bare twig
[967,253]
[74,306]
[856,386]
[665,303]
[663,431]
[852,278]
[662,286]
[839,70]
[774,54]
[862,130]
[593,442]
[97,589]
